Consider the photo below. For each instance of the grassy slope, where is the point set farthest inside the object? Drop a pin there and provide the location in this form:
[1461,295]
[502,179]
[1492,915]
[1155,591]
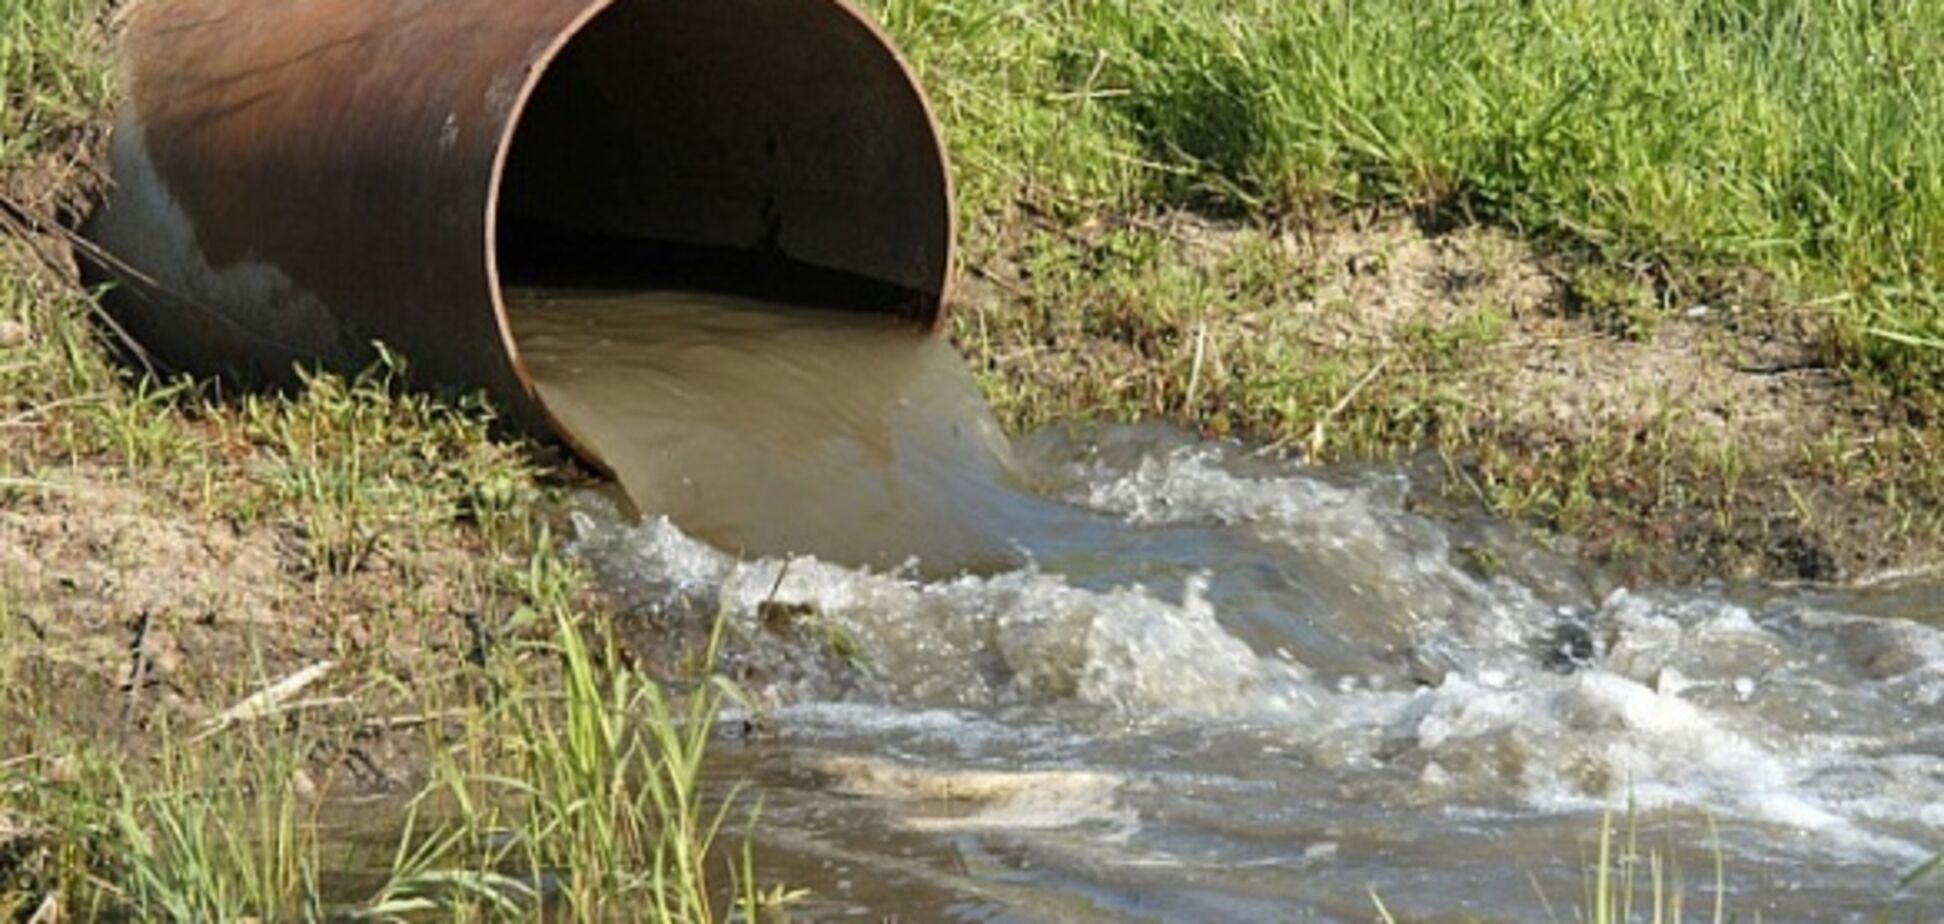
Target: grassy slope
[1801,137]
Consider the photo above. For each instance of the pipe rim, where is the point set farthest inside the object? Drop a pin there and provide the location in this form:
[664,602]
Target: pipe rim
[502,149]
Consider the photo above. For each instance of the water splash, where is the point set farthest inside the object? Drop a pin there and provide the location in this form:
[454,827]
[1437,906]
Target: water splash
[1268,658]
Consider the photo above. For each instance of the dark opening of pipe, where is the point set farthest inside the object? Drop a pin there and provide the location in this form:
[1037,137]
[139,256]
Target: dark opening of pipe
[770,147]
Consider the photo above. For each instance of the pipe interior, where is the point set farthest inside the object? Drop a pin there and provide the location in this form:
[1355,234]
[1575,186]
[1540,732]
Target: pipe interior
[737,144]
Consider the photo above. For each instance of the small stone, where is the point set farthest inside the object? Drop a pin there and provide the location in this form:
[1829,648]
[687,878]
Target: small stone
[1571,648]
[12,334]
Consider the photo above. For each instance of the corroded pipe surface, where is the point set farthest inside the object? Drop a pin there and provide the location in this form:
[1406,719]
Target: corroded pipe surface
[298,178]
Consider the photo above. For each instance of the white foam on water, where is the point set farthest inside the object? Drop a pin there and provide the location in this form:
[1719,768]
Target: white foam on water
[1819,722]
[1013,637]
[955,732]
[1398,564]
[1591,740]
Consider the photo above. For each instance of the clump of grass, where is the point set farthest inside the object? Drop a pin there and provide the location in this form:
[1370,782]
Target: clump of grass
[601,791]
[223,835]
[593,803]
[60,366]
[54,77]
[1623,885]
[351,464]
[232,831]
[1619,872]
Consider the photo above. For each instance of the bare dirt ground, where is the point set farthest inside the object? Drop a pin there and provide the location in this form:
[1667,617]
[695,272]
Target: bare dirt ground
[142,615]
[1694,427]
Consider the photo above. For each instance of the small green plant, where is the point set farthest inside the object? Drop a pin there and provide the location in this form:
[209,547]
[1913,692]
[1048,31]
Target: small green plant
[221,827]
[1614,880]
[612,791]
[423,882]
[599,788]
[595,785]
[223,854]
[1621,883]
[1615,301]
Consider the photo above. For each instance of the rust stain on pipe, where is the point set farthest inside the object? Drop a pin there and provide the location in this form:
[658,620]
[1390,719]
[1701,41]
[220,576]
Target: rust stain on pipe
[298,178]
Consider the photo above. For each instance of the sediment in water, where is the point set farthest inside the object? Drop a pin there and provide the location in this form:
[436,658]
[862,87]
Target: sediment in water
[767,427]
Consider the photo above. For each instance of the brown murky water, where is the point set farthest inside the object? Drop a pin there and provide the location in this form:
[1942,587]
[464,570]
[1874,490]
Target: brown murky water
[765,429]
[1141,677]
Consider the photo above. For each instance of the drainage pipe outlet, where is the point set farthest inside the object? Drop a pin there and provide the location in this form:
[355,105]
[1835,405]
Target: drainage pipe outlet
[296,179]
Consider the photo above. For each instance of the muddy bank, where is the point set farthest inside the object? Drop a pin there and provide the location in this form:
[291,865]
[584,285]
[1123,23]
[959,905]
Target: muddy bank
[1666,437]
[1672,436]
[127,614]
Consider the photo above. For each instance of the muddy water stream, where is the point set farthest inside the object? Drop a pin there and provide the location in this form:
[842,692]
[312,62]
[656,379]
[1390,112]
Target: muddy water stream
[766,430]
[1134,676]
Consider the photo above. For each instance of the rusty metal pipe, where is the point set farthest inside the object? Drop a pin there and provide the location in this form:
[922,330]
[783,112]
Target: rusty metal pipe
[295,179]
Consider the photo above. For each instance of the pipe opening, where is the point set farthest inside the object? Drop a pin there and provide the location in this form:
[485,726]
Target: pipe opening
[770,147]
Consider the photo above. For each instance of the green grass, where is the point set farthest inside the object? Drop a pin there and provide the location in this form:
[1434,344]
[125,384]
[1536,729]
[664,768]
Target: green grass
[209,844]
[600,787]
[55,83]
[1625,881]
[591,783]
[1624,885]
[350,468]
[1800,138]
[1621,881]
